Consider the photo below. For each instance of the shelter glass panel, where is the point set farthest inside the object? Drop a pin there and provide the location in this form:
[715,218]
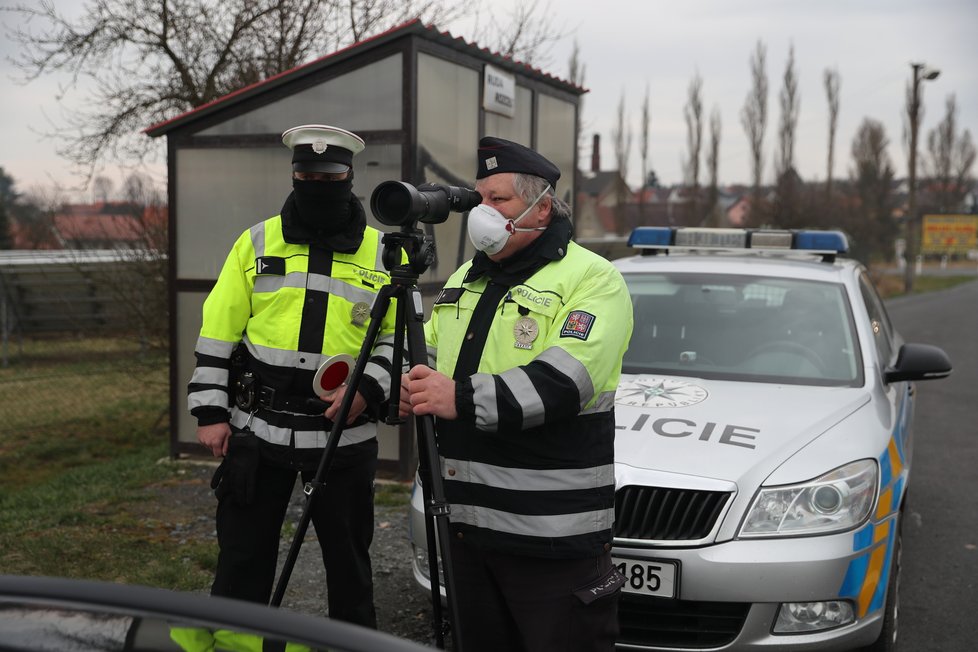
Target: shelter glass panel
[556,139]
[220,196]
[448,135]
[189,316]
[375,164]
[365,99]
[519,128]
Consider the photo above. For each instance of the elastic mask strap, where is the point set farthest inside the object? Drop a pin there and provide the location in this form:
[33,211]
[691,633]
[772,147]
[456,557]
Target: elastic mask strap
[512,228]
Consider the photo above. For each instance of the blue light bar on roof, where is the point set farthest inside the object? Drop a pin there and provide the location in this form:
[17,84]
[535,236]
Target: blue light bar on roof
[650,236]
[822,241]
[767,240]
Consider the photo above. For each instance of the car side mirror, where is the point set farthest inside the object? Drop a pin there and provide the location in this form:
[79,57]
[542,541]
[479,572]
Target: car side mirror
[918,362]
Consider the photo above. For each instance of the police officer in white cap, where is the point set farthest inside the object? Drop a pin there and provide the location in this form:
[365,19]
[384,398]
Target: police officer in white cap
[295,290]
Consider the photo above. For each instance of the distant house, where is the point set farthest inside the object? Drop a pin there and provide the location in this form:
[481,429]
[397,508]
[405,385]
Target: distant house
[102,225]
[599,210]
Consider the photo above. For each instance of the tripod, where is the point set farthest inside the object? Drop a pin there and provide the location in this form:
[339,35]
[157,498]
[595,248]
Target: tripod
[410,320]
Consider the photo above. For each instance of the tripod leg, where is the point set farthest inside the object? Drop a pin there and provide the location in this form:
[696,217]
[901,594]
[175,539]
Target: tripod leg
[376,317]
[436,506]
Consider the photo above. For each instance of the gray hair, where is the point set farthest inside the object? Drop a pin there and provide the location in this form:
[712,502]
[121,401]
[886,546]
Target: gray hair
[529,187]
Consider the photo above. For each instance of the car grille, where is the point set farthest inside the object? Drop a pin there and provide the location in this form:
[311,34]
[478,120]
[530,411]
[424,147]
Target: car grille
[665,514]
[657,622]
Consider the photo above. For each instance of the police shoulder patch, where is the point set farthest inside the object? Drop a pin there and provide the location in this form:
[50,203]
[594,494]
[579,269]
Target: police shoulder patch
[270,266]
[578,324]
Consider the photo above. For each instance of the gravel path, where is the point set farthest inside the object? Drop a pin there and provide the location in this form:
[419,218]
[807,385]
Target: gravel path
[402,609]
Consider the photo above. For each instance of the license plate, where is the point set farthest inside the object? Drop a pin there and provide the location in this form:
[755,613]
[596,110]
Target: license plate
[648,576]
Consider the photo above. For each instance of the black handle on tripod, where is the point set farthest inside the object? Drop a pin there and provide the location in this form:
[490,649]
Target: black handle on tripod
[376,317]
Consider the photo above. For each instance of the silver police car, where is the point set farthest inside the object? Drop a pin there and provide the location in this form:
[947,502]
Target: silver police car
[763,448]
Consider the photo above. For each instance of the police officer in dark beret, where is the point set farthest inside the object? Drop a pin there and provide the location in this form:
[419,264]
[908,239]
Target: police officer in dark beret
[529,337]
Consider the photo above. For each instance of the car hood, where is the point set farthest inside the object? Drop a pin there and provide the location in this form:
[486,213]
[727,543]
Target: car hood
[728,431]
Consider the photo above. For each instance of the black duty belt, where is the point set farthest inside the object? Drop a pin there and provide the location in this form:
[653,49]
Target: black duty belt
[271,399]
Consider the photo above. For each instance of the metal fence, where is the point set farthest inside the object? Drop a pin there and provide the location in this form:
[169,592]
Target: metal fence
[83,341]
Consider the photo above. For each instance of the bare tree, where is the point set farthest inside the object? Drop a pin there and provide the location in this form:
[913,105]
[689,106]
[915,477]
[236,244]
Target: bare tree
[644,145]
[149,60]
[790,106]
[576,73]
[102,189]
[788,182]
[622,138]
[754,119]
[713,167]
[9,198]
[871,226]
[951,157]
[527,36]
[832,84]
[693,113]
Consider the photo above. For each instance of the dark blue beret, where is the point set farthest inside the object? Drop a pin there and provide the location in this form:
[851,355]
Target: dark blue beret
[498,155]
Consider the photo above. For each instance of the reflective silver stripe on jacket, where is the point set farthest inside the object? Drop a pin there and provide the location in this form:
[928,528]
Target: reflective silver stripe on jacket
[257,233]
[319,282]
[522,389]
[204,375]
[571,367]
[215,348]
[534,525]
[605,402]
[303,438]
[208,397]
[282,357]
[529,479]
[526,396]
[484,398]
[384,349]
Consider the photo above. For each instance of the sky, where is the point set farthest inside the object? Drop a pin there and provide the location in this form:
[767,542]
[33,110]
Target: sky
[631,48]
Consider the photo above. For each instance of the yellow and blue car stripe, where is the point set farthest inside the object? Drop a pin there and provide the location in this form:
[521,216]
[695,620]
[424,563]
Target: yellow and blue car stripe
[868,574]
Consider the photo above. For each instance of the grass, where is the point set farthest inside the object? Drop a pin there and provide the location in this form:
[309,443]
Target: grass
[100,521]
[891,285]
[83,467]
[83,430]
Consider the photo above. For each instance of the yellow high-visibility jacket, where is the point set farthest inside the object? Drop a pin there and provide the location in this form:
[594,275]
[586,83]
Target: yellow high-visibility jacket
[292,306]
[529,462]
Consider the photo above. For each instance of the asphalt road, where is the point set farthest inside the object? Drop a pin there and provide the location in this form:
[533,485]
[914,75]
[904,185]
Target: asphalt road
[939,582]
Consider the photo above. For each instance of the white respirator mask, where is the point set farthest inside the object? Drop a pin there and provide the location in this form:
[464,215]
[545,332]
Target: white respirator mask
[490,230]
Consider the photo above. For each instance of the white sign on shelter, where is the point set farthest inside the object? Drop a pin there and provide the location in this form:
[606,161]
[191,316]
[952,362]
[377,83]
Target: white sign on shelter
[498,91]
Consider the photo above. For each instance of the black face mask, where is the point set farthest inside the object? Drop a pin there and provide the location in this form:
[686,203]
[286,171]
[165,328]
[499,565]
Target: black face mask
[324,206]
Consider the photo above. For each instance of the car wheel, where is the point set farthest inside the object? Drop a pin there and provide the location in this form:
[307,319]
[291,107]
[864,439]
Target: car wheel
[887,640]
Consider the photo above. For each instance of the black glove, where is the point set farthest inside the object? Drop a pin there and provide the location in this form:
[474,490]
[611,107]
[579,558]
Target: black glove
[238,472]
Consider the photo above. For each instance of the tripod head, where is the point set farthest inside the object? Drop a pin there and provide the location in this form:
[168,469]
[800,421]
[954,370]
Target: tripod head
[420,250]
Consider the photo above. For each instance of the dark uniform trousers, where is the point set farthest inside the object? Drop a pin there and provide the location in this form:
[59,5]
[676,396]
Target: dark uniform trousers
[342,513]
[532,604]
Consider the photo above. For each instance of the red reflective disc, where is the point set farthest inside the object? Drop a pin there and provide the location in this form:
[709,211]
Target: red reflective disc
[334,375]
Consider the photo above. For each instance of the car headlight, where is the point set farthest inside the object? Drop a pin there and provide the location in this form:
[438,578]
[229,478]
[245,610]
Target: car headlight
[839,500]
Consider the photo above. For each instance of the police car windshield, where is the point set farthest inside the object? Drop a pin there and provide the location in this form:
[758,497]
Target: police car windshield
[746,328]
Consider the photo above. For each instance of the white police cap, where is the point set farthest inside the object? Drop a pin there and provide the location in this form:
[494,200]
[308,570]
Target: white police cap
[321,148]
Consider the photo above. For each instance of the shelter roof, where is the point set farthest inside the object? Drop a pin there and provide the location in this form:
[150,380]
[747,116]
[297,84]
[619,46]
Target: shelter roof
[414,27]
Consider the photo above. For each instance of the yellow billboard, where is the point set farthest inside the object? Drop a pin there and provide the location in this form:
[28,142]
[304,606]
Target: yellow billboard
[949,234]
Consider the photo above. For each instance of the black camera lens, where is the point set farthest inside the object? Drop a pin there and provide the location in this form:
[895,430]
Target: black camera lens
[396,203]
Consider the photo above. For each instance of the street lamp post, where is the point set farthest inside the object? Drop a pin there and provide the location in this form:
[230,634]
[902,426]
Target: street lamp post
[920,71]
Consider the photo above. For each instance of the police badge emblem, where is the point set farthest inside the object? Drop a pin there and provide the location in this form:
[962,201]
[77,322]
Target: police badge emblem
[319,145]
[525,331]
[359,313]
